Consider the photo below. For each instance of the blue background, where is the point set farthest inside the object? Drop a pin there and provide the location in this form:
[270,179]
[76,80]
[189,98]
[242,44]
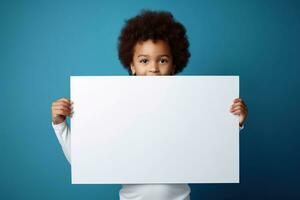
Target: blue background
[42,43]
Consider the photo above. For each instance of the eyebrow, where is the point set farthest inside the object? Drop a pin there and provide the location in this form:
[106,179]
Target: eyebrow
[164,55]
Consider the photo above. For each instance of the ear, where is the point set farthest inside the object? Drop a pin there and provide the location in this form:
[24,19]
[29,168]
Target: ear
[132,68]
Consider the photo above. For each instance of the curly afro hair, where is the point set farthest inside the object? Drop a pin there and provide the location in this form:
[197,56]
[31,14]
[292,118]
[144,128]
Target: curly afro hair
[154,25]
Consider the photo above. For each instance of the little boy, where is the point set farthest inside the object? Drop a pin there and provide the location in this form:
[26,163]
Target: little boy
[150,44]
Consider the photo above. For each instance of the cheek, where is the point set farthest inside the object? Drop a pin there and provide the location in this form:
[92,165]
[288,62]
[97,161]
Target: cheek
[167,69]
[140,70]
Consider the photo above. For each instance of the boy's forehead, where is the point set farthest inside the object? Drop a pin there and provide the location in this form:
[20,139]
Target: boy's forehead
[149,47]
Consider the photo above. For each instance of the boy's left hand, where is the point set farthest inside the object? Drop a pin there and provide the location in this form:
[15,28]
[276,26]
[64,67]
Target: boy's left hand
[239,108]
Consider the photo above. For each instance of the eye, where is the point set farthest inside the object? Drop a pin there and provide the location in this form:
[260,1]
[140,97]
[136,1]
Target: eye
[144,60]
[163,61]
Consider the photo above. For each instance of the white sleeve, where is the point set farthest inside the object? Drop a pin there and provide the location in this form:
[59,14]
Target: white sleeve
[242,127]
[63,134]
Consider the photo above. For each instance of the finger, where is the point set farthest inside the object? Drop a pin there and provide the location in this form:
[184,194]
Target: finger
[237,112]
[237,100]
[68,108]
[244,106]
[241,102]
[61,109]
[59,103]
[65,100]
[236,104]
[61,112]
[241,111]
[237,107]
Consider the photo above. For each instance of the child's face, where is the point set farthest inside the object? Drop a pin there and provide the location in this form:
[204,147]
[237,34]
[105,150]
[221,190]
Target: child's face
[152,59]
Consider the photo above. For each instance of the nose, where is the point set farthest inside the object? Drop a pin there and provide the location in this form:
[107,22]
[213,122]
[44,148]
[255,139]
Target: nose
[154,68]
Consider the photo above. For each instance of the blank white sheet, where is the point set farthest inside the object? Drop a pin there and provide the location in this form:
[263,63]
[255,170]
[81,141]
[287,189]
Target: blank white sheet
[154,129]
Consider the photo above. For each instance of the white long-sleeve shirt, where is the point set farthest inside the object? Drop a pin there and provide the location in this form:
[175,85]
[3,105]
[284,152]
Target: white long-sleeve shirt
[129,191]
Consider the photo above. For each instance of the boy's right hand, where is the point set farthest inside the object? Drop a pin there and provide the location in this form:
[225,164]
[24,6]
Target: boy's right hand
[61,108]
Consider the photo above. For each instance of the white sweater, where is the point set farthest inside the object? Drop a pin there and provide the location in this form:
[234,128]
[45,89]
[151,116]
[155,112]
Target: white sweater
[129,191]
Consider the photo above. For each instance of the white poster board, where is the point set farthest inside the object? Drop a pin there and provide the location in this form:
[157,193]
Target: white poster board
[154,129]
